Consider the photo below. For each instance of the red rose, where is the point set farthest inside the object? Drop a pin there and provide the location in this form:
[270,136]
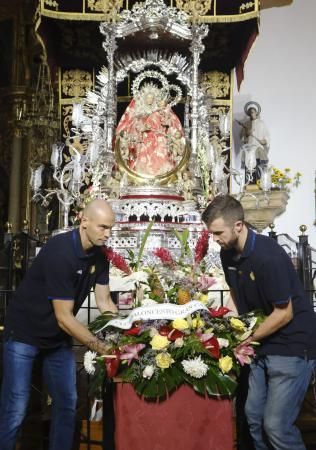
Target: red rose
[220,312]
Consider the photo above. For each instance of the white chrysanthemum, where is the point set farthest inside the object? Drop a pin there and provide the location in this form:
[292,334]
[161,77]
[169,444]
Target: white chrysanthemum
[89,362]
[148,372]
[195,367]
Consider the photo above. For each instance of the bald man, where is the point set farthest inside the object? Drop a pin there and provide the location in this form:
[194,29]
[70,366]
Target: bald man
[41,320]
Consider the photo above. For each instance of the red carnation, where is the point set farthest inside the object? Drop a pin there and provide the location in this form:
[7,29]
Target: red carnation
[201,247]
[117,260]
[165,256]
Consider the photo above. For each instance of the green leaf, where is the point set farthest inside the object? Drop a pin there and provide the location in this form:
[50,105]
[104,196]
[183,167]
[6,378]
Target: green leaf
[225,385]
[183,239]
[172,378]
[199,386]
[143,243]
[99,323]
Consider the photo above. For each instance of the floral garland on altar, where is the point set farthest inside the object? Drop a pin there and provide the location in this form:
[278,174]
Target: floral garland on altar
[174,336]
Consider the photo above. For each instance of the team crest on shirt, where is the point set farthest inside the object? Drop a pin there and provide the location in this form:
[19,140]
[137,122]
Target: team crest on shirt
[92,270]
[252,276]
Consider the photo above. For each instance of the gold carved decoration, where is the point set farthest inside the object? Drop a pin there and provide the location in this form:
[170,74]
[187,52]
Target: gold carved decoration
[216,84]
[246,6]
[75,83]
[194,7]
[52,4]
[204,11]
[66,114]
[108,7]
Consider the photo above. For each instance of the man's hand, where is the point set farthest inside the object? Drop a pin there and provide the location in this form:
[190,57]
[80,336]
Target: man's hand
[98,346]
[281,315]
[110,307]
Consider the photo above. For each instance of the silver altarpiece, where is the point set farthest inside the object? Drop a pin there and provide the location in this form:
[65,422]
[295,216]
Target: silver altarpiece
[149,164]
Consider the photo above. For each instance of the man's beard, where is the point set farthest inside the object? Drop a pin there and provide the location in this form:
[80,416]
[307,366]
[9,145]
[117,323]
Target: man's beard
[232,243]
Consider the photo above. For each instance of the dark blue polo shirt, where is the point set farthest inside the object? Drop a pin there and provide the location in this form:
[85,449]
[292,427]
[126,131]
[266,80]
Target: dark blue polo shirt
[61,270]
[264,276]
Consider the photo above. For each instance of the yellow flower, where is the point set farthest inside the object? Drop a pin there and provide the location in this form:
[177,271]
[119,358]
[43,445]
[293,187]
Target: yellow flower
[198,323]
[164,360]
[225,364]
[159,342]
[180,324]
[287,170]
[203,299]
[237,324]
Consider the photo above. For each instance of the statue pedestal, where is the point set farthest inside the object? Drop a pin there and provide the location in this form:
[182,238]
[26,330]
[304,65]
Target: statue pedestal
[260,211]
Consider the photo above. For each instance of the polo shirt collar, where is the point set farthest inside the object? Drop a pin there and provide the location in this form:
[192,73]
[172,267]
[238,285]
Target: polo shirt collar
[249,244]
[78,245]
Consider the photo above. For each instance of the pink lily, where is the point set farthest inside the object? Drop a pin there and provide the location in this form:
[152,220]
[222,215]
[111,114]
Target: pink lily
[130,352]
[205,282]
[244,354]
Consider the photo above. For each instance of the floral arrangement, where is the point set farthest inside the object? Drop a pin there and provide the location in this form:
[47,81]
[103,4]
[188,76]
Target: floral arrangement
[204,350]
[198,344]
[283,179]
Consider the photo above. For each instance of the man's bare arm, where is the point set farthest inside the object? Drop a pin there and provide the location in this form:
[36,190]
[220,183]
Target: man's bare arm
[103,299]
[66,320]
[280,316]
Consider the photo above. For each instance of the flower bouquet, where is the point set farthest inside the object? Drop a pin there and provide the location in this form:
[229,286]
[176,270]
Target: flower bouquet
[165,277]
[283,179]
[174,335]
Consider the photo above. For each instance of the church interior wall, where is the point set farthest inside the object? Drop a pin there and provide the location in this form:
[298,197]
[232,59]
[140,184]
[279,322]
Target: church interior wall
[280,76]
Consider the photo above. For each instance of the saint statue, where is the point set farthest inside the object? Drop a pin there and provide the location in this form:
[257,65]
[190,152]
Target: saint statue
[255,139]
[150,135]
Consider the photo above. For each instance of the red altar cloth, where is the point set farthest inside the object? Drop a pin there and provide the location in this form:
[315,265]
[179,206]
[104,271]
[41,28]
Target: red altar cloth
[185,421]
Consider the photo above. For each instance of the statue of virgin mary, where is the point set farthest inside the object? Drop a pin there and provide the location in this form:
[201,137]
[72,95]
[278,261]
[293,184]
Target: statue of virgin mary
[151,136]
